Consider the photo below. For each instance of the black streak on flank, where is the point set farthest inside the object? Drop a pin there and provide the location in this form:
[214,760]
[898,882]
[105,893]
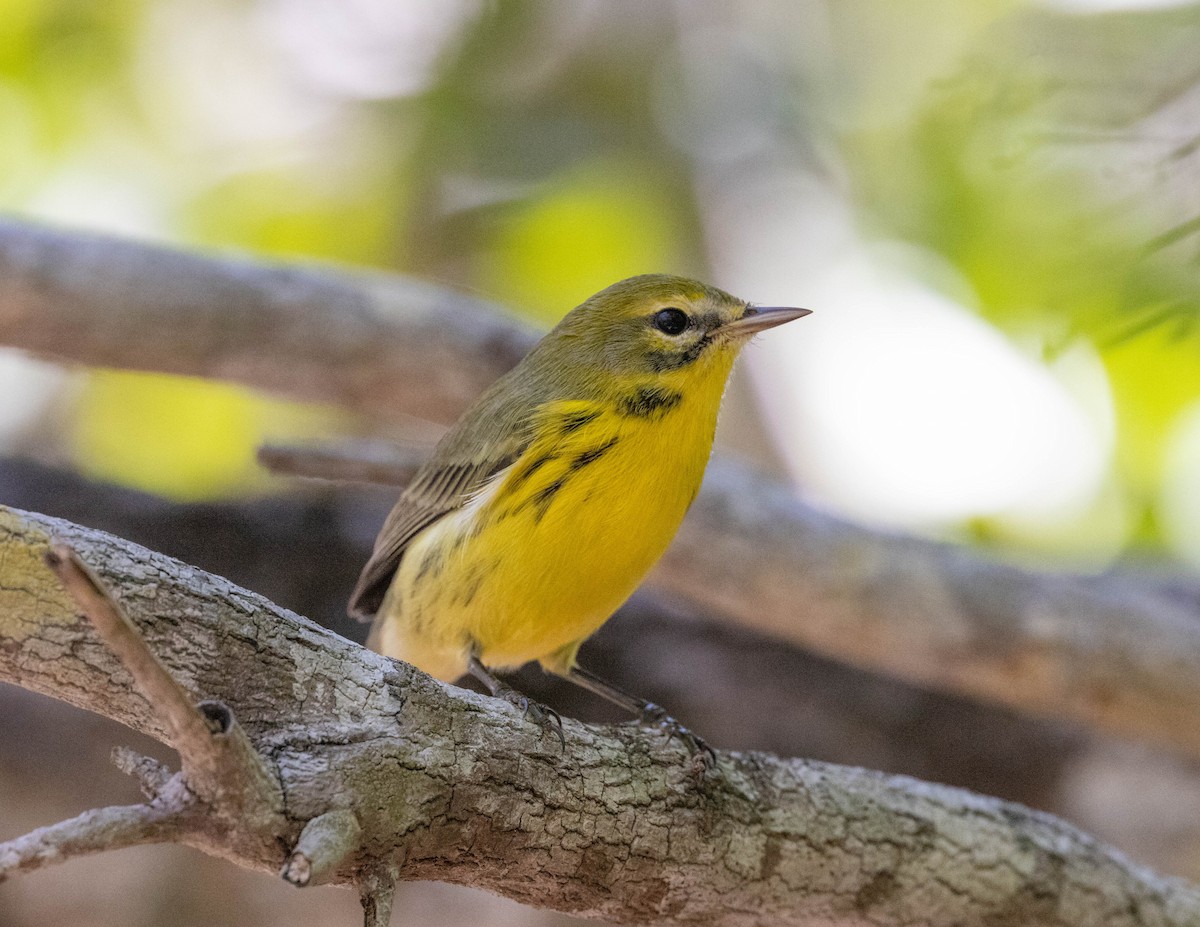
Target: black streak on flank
[522,475]
[431,564]
[651,402]
[470,586]
[589,457]
[576,420]
[546,495]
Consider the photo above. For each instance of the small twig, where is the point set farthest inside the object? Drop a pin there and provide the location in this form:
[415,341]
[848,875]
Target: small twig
[376,891]
[379,462]
[236,776]
[91,832]
[151,775]
[219,762]
[325,841]
[190,733]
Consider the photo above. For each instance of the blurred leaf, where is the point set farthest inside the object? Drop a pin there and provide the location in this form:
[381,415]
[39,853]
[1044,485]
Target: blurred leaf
[1155,376]
[289,213]
[590,228]
[1035,171]
[1053,169]
[179,437]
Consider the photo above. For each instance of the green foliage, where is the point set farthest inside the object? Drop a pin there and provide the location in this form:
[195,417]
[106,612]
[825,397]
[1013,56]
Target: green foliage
[1047,167]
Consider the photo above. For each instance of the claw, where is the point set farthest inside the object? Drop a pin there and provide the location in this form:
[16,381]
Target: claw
[544,717]
[701,753]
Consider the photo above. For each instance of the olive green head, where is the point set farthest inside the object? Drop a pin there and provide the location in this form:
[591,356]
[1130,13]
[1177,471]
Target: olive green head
[657,323]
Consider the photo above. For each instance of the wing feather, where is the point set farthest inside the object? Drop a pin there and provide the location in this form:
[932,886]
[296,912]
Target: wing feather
[439,488]
[489,437]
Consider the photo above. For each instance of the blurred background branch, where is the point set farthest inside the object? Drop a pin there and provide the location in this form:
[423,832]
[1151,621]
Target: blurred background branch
[323,335]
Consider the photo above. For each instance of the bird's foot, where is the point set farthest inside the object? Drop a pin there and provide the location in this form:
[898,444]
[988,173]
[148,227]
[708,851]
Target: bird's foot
[703,756]
[543,716]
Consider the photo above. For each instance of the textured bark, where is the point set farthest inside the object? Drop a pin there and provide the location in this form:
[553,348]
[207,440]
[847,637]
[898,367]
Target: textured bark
[444,784]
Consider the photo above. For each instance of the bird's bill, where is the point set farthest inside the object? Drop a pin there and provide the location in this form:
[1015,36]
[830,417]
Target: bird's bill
[760,318]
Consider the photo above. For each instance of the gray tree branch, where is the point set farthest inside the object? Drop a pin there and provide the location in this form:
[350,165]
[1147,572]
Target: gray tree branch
[310,332]
[445,784]
[1120,652]
[91,832]
[220,765]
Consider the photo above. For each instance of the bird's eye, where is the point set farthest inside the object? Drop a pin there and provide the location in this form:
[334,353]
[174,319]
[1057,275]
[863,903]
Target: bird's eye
[671,321]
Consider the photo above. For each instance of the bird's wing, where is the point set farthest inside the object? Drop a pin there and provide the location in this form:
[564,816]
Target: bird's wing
[440,487]
[491,435]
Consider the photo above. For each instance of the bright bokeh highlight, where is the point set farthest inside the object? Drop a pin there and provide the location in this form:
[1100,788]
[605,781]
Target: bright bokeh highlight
[900,406]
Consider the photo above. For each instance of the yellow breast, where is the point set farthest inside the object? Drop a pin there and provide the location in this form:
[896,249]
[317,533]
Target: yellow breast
[556,542]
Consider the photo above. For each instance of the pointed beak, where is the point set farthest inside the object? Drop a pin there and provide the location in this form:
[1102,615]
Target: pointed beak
[760,318]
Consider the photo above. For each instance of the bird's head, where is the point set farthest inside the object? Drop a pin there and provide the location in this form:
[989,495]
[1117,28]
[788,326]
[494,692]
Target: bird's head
[658,324]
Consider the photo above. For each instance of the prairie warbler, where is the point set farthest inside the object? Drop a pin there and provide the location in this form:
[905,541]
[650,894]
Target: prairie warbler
[545,505]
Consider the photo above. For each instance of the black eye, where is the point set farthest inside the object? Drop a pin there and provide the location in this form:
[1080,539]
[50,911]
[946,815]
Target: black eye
[671,321]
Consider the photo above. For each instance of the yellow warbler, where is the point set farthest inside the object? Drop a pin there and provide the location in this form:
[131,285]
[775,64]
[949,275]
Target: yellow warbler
[545,505]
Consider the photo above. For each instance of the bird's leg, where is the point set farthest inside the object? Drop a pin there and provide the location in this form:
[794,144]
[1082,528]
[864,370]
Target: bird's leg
[646,712]
[543,717]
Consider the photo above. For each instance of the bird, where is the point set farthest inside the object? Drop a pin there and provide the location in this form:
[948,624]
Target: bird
[541,510]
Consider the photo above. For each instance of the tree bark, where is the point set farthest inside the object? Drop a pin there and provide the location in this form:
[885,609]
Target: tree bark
[445,784]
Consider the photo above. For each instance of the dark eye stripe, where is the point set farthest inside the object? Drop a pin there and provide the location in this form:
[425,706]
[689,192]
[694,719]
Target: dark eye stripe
[662,361]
